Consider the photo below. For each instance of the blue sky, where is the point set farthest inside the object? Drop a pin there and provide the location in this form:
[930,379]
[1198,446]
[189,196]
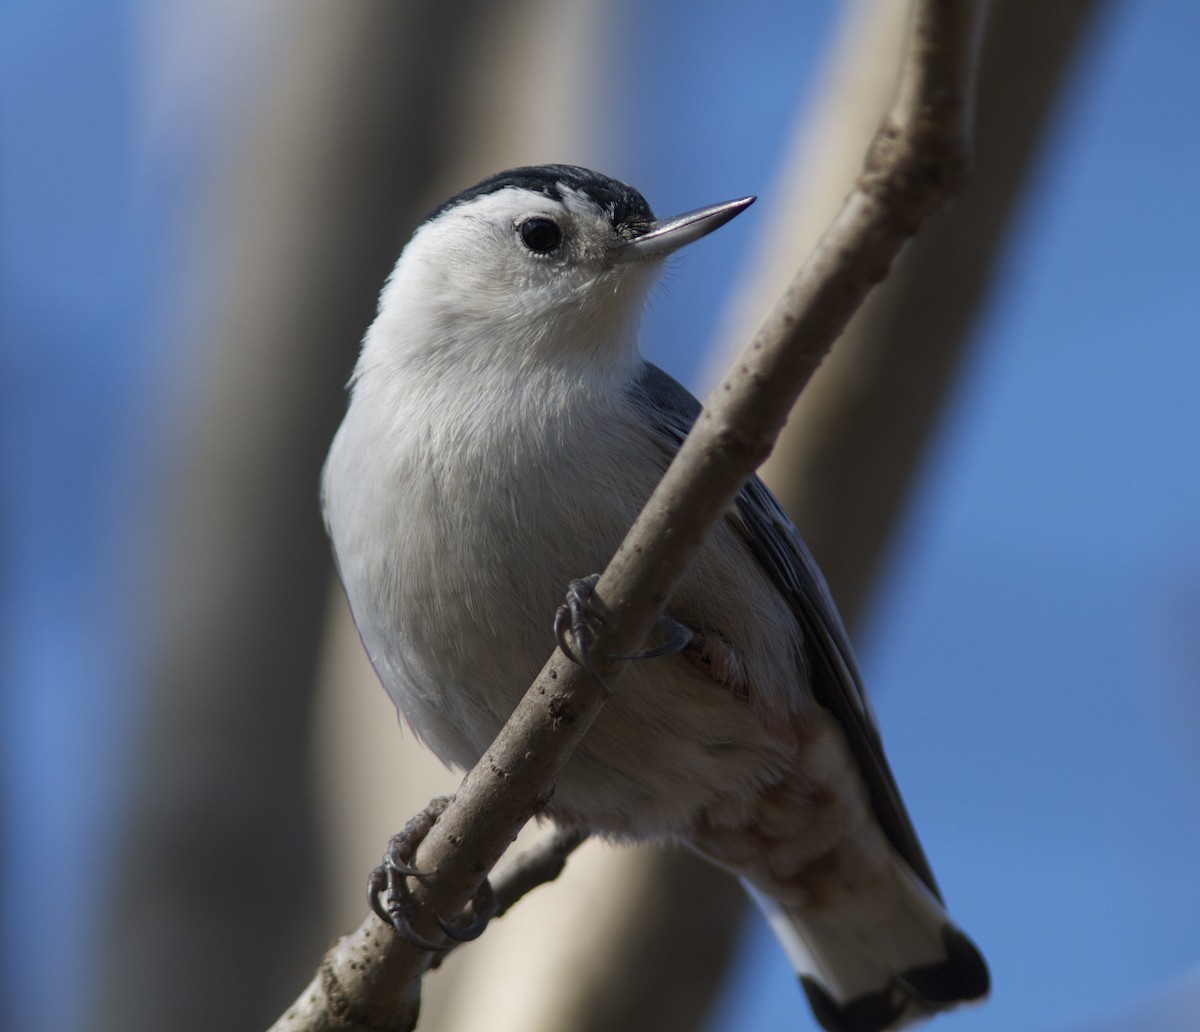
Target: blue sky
[1032,647]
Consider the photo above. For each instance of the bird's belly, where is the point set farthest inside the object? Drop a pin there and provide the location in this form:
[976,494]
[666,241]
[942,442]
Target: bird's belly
[454,591]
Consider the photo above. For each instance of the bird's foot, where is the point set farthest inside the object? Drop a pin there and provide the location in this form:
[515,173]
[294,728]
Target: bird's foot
[397,907]
[474,917]
[573,629]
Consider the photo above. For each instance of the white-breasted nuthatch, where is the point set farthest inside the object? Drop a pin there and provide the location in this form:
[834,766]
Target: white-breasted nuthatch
[502,434]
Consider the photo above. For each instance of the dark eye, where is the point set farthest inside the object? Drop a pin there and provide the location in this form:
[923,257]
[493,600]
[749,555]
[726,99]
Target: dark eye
[540,235]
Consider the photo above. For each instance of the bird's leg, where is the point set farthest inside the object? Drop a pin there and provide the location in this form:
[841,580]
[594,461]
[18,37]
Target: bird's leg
[575,634]
[390,880]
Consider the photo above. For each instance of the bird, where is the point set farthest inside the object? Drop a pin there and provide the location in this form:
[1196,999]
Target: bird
[503,431]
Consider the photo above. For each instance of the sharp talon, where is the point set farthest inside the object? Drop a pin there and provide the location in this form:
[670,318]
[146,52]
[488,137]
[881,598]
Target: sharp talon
[402,868]
[378,910]
[571,627]
[484,905]
[678,637]
[388,880]
[375,885]
[398,912]
[406,932]
[473,931]
[562,625]
[398,909]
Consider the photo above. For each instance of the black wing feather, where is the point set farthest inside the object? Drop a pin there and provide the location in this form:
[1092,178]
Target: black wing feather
[777,545]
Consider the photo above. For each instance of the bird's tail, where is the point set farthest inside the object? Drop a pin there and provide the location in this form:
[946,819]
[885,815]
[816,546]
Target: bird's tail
[880,960]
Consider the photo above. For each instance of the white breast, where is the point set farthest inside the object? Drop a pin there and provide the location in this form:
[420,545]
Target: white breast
[457,523]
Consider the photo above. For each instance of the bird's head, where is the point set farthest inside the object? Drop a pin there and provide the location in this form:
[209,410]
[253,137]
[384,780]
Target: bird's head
[533,263]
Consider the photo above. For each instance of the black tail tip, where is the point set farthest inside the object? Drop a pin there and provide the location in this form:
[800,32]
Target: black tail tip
[871,1013]
[962,976]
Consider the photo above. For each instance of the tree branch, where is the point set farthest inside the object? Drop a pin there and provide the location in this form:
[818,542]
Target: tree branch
[540,863]
[370,979]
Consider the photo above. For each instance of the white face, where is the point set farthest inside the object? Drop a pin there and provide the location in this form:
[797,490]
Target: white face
[525,271]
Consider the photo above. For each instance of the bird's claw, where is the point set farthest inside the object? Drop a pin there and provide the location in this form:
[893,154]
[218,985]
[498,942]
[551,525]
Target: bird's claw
[482,909]
[399,908]
[390,879]
[676,638]
[572,628]
[392,902]
[575,636]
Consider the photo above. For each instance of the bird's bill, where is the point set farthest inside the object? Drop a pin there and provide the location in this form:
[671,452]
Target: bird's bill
[667,235]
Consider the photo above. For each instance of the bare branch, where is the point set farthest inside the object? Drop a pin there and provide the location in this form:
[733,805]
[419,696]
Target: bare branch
[537,865]
[370,979]
[842,466]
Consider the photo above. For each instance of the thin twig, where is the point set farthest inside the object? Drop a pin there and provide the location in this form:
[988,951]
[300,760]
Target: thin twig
[540,863]
[370,979]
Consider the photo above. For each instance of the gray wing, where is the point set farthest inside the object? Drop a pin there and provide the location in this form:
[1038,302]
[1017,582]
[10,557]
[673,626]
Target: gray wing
[836,684]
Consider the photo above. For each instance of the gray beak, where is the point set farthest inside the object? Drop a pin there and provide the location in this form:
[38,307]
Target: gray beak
[667,235]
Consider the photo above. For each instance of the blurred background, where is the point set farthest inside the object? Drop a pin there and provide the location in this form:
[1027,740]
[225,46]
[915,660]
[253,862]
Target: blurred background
[999,469]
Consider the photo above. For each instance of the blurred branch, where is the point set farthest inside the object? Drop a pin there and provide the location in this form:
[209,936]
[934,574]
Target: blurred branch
[852,445]
[535,866]
[220,857]
[659,924]
[370,979]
